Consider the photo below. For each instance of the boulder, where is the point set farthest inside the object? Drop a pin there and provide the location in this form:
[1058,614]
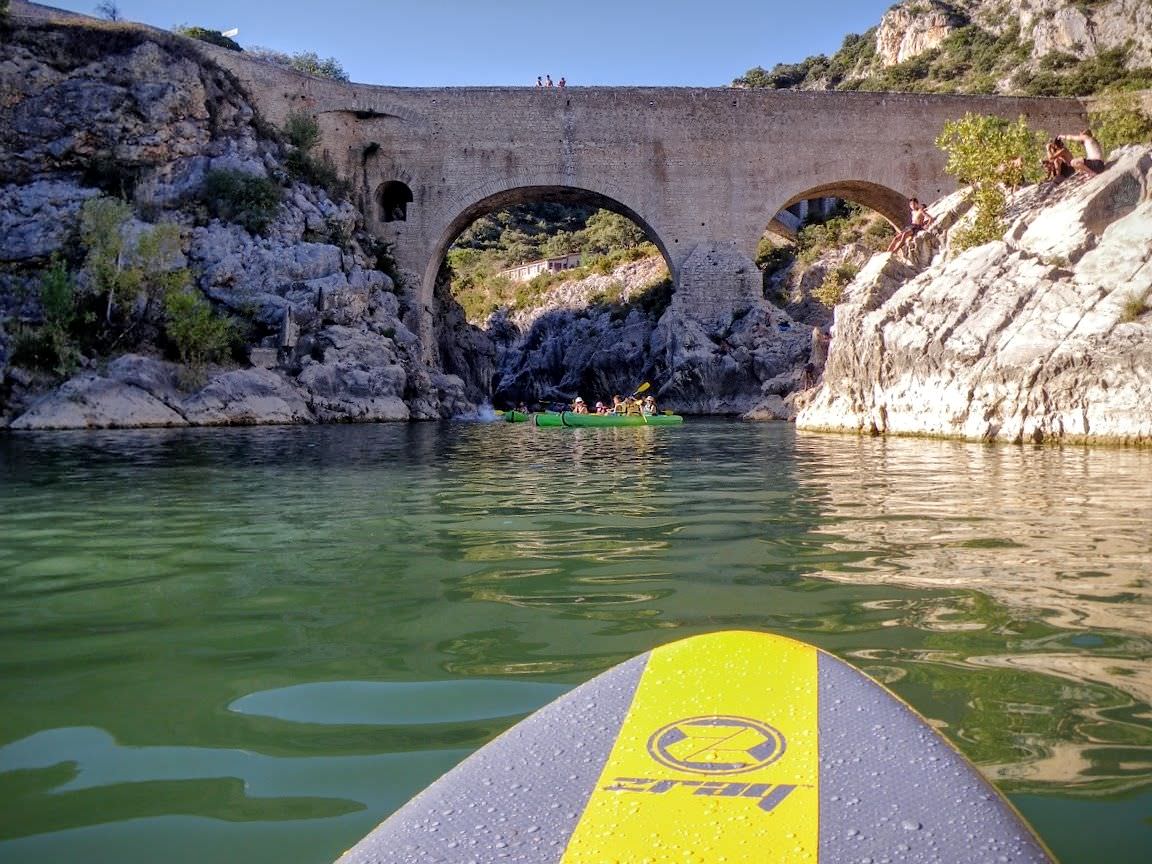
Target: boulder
[246,397]
[94,402]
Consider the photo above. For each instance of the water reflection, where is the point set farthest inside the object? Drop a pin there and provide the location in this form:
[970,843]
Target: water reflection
[154,582]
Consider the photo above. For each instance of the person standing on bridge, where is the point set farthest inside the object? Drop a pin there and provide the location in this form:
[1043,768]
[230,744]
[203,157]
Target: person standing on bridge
[563,82]
[548,81]
[539,81]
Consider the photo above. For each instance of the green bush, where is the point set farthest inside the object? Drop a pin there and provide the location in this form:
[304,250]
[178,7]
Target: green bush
[50,347]
[1121,120]
[772,258]
[241,198]
[47,349]
[655,299]
[58,295]
[987,224]
[308,62]
[831,290]
[984,152]
[302,131]
[213,37]
[198,334]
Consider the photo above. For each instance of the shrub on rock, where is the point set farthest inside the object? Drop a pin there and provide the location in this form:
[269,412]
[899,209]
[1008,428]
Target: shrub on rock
[241,198]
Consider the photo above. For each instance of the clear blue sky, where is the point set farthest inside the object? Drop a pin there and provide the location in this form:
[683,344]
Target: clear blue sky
[463,42]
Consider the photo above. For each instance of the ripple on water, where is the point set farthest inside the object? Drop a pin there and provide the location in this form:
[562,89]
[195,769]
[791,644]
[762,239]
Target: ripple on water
[324,582]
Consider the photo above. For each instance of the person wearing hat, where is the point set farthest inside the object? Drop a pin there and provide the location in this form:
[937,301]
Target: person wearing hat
[601,408]
[649,406]
[578,407]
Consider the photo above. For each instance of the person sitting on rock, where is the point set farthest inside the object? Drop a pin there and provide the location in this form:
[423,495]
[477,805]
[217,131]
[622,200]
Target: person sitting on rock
[578,407]
[920,219]
[1058,165]
[1093,161]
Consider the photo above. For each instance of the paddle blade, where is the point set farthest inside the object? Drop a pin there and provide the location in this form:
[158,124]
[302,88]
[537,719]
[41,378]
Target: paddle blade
[642,388]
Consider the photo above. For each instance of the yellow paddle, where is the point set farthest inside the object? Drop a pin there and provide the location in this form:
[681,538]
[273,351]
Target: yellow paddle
[640,390]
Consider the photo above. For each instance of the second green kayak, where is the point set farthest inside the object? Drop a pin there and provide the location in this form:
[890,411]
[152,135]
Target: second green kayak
[567,418]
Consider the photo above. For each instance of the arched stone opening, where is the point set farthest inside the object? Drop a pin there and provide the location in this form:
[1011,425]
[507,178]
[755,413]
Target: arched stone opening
[537,194]
[807,279]
[889,203]
[461,324]
[393,198]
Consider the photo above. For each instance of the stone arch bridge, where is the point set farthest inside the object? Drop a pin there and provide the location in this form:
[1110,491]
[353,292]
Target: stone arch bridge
[703,171]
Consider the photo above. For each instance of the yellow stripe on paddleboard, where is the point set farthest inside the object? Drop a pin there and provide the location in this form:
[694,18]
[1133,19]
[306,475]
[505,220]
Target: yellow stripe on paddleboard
[716,761]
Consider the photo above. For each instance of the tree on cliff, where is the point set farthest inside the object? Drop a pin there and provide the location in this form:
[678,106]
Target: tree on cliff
[989,153]
[212,37]
[109,10]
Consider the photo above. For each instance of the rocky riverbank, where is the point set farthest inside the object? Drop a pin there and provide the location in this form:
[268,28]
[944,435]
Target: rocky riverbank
[1045,335]
[120,112]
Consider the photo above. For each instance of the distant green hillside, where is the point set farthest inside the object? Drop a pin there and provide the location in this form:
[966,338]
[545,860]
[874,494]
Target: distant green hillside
[970,60]
[530,232]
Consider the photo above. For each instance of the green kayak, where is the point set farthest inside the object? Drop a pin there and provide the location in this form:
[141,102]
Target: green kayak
[516,417]
[567,418]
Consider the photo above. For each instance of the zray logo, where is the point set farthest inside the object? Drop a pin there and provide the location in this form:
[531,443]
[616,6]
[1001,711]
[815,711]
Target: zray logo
[716,745]
[769,794]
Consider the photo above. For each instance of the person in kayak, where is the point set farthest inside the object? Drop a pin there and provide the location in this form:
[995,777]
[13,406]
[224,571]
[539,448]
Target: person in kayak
[578,407]
[618,406]
[601,408]
[649,406]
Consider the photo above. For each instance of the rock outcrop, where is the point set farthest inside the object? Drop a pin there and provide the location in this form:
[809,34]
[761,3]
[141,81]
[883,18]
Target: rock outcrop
[908,30]
[1045,335]
[606,334]
[912,27]
[121,110]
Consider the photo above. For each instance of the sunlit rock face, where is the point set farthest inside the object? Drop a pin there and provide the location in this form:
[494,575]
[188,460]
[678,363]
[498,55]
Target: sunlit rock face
[1043,335]
[908,30]
[913,27]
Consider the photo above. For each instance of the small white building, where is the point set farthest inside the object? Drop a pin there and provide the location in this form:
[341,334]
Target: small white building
[532,269]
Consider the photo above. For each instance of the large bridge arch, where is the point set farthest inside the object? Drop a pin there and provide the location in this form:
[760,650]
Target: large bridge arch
[490,200]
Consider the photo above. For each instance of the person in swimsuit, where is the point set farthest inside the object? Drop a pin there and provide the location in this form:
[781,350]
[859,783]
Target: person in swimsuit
[920,219]
[1093,161]
[1059,162]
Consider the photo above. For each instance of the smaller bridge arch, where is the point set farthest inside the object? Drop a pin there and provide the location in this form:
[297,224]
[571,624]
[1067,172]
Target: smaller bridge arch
[889,203]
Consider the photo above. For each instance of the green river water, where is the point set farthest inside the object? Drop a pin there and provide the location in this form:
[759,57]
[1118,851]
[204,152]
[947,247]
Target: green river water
[251,645]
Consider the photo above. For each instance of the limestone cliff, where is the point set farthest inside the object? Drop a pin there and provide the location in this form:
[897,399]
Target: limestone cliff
[912,27]
[90,109]
[1045,335]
